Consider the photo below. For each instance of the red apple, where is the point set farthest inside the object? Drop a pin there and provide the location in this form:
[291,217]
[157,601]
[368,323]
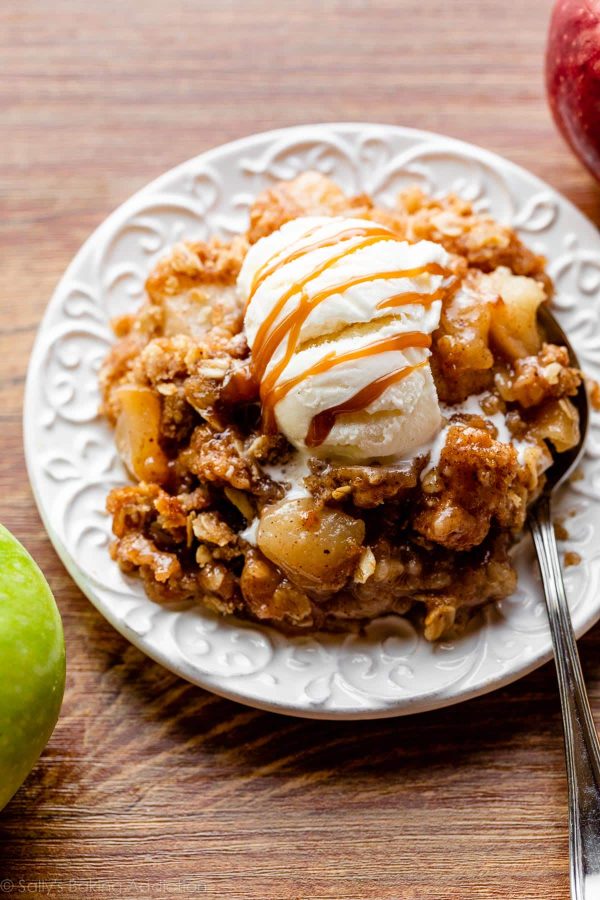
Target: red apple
[573,76]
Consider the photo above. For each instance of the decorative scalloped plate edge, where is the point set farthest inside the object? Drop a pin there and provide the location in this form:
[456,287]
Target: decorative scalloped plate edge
[389,670]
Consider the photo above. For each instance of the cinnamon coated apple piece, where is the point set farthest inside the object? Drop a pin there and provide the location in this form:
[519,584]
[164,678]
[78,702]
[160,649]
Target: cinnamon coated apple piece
[317,547]
[137,433]
[513,329]
[558,422]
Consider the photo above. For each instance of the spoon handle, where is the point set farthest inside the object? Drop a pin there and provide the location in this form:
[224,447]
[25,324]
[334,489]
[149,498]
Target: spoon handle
[582,750]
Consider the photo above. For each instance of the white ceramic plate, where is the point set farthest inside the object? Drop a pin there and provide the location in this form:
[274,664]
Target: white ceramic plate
[72,462]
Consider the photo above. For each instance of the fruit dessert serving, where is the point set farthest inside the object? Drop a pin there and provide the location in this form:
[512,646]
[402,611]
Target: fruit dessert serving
[343,413]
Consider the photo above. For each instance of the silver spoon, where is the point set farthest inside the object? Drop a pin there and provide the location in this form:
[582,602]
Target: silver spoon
[582,749]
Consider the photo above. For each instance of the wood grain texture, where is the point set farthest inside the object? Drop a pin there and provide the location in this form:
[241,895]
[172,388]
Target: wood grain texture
[151,787]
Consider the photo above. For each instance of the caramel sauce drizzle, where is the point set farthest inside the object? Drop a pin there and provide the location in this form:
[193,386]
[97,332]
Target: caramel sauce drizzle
[264,348]
[274,262]
[269,336]
[409,297]
[264,344]
[323,422]
[330,360]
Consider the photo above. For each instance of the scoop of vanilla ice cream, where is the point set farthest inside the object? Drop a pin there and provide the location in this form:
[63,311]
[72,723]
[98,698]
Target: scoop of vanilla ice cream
[350,318]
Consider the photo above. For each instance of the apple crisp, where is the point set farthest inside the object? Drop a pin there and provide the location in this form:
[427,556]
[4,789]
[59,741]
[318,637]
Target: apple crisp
[221,511]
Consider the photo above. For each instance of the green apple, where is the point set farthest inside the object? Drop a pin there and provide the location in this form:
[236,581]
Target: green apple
[32,664]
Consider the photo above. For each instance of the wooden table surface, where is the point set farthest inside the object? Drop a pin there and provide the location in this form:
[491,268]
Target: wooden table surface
[151,787]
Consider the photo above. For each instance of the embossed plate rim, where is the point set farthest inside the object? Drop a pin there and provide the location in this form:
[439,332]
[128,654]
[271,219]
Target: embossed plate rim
[375,707]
